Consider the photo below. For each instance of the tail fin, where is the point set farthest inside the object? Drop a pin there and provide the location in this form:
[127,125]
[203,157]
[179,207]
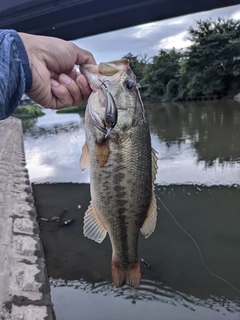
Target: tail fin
[131,276]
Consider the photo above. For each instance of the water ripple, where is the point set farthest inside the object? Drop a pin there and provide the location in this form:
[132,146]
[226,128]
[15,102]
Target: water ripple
[150,291]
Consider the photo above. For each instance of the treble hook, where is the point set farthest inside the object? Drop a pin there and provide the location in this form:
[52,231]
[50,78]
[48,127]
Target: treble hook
[111,112]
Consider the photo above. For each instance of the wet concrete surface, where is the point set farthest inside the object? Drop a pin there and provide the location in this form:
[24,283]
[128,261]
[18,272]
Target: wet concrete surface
[81,269]
[24,286]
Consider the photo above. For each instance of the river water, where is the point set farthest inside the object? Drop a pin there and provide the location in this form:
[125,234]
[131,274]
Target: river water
[194,253]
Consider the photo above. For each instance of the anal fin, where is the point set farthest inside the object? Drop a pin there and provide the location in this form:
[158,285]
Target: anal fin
[150,222]
[93,227]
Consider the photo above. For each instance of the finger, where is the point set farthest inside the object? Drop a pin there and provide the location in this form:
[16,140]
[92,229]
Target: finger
[54,75]
[73,74]
[84,86]
[77,92]
[61,96]
[83,56]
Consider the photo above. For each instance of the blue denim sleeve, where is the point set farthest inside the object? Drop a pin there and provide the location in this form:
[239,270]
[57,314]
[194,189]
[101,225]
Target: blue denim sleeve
[15,72]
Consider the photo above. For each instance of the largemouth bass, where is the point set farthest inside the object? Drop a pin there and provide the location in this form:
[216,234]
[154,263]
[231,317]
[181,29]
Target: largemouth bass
[122,167]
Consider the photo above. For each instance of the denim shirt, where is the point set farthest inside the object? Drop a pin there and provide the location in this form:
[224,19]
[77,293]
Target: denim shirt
[15,72]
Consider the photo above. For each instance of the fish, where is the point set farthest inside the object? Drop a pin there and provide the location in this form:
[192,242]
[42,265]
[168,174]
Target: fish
[123,167]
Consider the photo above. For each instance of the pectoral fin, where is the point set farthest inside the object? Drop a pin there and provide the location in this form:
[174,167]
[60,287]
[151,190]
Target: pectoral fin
[93,227]
[85,158]
[150,222]
[102,153]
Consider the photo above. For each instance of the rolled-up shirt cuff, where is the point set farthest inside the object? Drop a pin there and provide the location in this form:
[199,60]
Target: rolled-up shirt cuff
[25,61]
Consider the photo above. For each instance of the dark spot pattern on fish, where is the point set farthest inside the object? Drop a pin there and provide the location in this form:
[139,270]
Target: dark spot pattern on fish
[121,175]
[121,203]
[123,230]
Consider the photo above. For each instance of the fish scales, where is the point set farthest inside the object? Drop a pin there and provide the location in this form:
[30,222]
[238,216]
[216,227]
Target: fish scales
[121,175]
[128,180]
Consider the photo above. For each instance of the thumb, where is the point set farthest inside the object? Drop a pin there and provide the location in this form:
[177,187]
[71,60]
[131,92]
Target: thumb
[83,56]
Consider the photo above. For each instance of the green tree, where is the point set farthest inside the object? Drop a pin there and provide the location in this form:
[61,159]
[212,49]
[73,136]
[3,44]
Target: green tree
[137,63]
[212,62]
[163,70]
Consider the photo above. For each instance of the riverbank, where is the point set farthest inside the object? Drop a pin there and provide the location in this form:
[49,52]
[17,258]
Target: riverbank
[28,111]
[161,99]
[73,109]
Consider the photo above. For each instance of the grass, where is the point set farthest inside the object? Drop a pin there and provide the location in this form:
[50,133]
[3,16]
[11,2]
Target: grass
[34,110]
[28,111]
[72,109]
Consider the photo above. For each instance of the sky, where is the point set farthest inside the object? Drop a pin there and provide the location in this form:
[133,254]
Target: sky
[151,37]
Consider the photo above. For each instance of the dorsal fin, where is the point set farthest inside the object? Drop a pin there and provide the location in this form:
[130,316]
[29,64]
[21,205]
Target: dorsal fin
[154,167]
[93,227]
[150,222]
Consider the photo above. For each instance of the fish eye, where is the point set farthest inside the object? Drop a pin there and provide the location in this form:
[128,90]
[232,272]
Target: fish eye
[128,84]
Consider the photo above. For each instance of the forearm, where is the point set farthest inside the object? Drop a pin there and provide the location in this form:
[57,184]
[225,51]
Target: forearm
[15,72]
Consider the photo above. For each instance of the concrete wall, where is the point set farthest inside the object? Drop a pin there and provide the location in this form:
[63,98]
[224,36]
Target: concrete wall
[24,288]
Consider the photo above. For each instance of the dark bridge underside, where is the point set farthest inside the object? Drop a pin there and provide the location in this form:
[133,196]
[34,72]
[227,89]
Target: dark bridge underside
[71,19]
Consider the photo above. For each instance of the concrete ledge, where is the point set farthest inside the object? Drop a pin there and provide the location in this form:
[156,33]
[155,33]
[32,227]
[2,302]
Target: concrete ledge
[24,287]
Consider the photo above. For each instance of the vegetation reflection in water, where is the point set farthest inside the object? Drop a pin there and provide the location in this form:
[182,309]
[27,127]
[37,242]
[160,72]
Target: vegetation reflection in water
[197,143]
[213,128]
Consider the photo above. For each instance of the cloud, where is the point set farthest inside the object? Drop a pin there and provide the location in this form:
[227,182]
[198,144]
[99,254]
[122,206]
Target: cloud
[150,38]
[178,41]
[236,15]
[145,30]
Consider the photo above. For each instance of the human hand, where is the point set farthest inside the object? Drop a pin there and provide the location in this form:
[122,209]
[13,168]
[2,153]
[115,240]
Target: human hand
[55,82]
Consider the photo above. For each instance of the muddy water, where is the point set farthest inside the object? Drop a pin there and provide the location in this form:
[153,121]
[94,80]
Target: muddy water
[198,180]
